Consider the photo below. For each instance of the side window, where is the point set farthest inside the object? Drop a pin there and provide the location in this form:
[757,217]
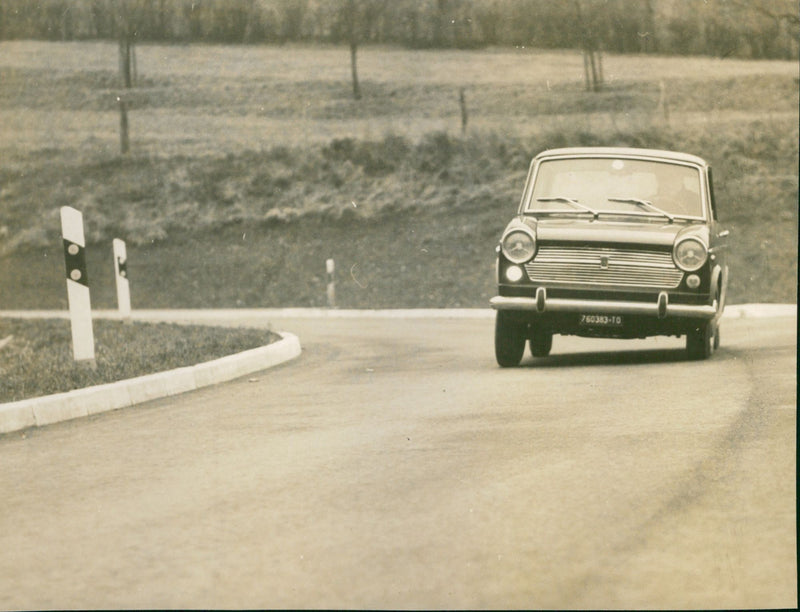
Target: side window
[711,196]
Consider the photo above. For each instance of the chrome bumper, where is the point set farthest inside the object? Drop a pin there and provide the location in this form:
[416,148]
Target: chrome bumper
[660,309]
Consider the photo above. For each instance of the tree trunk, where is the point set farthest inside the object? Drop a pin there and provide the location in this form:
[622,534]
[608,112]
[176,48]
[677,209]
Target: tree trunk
[125,60]
[593,63]
[462,99]
[134,67]
[600,78]
[593,69]
[650,42]
[587,77]
[354,70]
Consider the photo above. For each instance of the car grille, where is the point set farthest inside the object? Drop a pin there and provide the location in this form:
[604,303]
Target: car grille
[604,266]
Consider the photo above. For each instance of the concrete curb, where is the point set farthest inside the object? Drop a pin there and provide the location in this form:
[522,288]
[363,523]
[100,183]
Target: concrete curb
[39,411]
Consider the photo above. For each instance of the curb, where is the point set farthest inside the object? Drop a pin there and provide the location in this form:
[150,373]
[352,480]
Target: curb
[759,311]
[39,411]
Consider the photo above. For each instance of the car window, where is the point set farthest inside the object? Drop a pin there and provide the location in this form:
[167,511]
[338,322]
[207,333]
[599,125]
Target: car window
[673,188]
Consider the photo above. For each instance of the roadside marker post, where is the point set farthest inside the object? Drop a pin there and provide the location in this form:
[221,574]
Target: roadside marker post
[80,308]
[121,275]
[329,269]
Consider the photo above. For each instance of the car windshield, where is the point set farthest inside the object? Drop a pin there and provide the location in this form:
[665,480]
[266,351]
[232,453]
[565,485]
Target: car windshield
[624,186]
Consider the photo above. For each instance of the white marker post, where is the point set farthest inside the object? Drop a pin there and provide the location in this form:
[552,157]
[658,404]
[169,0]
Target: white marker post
[329,269]
[123,284]
[80,308]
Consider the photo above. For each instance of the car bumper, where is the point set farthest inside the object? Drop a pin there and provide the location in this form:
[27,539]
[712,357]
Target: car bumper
[661,308]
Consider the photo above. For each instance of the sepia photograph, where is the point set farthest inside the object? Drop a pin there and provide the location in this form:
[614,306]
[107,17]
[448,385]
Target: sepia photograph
[399,304]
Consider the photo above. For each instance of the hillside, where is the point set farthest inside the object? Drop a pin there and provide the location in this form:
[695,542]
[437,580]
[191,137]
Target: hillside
[249,167]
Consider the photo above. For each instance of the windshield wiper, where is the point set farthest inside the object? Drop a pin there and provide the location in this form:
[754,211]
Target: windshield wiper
[574,203]
[644,204]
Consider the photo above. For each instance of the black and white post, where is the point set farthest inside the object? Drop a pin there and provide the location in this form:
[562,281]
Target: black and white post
[80,308]
[329,269]
[121,275]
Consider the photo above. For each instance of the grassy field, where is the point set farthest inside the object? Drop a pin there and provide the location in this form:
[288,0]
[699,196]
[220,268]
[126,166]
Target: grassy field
[250,166]
[36,355]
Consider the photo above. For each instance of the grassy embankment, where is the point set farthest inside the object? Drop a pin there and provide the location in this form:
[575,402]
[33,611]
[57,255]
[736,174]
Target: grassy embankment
[250,166]
[36,355]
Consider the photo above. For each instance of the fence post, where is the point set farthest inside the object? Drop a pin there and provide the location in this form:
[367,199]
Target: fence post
[663,102]
[462,99]
[123,284]
[124,142]
[80,308]
[330,269]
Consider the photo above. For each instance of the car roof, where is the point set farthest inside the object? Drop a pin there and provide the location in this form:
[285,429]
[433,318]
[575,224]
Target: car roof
[622,152]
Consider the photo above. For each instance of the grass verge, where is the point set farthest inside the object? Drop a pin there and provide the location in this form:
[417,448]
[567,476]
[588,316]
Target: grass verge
[36,355]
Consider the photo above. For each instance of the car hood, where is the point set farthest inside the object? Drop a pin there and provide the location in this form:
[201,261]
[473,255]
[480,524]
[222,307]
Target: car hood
[601,231]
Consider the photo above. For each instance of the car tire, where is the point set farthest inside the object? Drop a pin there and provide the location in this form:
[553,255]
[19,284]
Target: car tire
[701,340]
[509,340]
[541,342]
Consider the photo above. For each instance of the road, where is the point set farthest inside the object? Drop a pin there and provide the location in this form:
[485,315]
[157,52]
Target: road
[395,465]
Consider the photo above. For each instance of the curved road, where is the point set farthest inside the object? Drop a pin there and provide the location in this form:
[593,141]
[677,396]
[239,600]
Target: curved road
[395,465]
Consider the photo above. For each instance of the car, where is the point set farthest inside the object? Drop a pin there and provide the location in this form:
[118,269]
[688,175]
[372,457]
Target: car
[611,242]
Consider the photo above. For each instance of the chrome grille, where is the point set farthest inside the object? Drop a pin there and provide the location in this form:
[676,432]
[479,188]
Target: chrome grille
[604,266]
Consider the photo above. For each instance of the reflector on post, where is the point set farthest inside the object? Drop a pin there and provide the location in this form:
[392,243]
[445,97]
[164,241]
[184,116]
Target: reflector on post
[121,275]
[80,308]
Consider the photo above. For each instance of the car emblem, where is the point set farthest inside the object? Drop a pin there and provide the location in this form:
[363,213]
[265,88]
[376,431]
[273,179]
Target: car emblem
[604,263]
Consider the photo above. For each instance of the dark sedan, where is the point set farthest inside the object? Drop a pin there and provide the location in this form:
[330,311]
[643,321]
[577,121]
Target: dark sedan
[613,243]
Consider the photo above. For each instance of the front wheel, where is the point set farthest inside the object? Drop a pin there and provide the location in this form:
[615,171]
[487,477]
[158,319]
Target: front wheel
[509,340]
[702,340]
[541,342]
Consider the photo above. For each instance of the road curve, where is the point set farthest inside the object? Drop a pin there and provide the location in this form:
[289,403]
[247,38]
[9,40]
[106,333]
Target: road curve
[395,465]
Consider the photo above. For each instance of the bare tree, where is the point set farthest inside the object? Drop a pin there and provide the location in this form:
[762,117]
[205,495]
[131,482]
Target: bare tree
[783,15]
[745,28]
[358,18]
[127,16]
[488,16]
[587,17]
[352,25]
[291,14]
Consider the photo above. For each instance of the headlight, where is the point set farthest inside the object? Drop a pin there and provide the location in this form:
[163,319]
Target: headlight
[690,254]
[518,246]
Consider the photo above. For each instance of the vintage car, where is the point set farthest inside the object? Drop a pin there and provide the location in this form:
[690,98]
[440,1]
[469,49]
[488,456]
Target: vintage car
[611,243]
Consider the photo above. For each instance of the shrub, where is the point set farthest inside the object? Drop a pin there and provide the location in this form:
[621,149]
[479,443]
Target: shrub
[434,152]
[375,158]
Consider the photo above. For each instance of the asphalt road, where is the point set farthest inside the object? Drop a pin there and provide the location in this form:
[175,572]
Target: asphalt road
[395,465]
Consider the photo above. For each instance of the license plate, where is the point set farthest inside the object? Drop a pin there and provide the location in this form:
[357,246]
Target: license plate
[600,320]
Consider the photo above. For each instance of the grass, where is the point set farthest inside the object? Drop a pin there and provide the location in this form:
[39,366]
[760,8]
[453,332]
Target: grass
[395,211]
[252,165]
[208,99]
[37,358]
